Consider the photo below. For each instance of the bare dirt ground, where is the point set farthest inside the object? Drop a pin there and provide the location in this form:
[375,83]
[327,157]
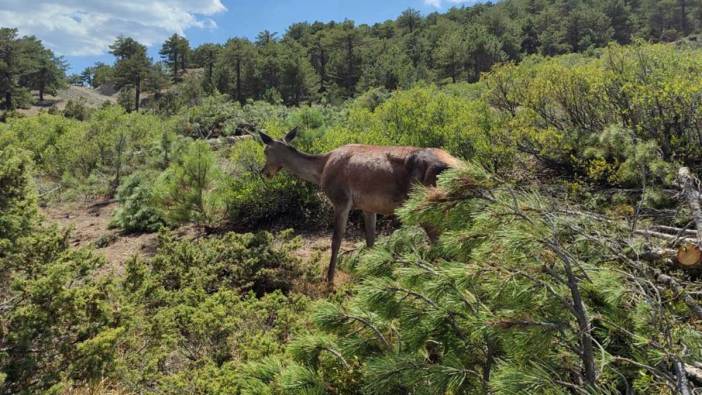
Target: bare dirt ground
[90,228]
[91,97]
[89,224]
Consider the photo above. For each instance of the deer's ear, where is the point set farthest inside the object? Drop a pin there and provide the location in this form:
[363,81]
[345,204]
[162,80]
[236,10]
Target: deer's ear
[265,138]
[291,135]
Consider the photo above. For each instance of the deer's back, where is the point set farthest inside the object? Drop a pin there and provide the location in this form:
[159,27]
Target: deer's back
[378,178]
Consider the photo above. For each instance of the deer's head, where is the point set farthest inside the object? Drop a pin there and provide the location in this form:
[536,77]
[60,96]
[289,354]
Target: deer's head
[276,151]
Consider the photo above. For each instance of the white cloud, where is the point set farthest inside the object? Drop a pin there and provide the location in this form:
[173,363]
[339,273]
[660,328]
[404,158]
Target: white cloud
[88,27]
[439,3]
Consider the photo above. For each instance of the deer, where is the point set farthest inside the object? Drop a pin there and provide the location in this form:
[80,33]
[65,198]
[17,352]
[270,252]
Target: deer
[371,178]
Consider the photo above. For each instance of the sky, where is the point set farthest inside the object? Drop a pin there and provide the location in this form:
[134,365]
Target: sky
[82,30]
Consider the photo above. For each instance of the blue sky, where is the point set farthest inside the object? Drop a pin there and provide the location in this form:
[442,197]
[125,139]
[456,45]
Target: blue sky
[81,30]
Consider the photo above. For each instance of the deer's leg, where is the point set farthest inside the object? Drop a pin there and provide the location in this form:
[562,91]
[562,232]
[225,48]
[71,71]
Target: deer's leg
[369,224]
[341,215]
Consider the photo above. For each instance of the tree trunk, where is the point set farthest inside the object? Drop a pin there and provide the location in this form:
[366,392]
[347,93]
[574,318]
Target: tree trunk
[137,93]
[322,71]
[238,82]
[8,99]
[683,16]
[175,68]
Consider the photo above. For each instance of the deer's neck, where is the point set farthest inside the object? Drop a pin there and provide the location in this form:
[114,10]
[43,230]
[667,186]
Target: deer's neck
[306,166]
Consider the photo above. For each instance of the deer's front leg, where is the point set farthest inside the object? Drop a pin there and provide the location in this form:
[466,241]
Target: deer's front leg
[369,220]
[341,215]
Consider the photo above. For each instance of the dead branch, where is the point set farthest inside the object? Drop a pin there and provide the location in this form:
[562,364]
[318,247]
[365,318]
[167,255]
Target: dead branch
[694,373]
[665,236]
[690,188]
[677,231]
[226,140]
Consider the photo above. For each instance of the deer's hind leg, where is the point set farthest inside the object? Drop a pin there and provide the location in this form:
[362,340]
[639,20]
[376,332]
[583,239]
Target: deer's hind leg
[369,220]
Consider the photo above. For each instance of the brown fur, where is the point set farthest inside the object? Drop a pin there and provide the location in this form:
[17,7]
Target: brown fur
[374,179]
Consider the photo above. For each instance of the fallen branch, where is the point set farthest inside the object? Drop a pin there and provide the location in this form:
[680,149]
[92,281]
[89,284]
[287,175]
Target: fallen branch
[694,373]
[227,140]
[677,231]
[690,187]
[665,236]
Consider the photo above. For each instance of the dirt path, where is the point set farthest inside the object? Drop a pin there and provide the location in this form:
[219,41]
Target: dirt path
[90,228]
[90,224]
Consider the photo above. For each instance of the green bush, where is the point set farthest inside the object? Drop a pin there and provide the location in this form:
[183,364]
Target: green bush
[137,211]
[18,210]
[58,322]
[94,155]
[77,110]
[195,302]
[473,313]
[253,201]
[559,109]
[190,188]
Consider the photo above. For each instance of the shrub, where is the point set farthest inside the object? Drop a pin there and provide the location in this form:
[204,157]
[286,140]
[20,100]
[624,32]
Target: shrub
[18,210]
[558,108]
[512,272]
[58,322]
[197,306]
[95,154]
[253,201]
[76,110]
[213,117]
[137,212]
[190,188]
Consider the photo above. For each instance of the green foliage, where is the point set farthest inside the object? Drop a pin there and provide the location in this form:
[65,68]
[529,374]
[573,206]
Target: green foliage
[58,321]
[565,110]
[252,200]
[176,52]
[25,65]
[137,211]
[200,316]
[77,110]
[130,70]
[91,156]
[258,262]
[18,208]
[491,306]
[206,328]
[188,190]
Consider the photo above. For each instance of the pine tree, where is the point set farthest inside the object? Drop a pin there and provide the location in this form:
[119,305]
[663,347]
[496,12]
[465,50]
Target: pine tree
[345,61]
[175,53]
[410,20]
[519,295]
[205,56]
[236,68]
[49,75]
[297,77]
[530,42]
[17,60]
[450,55]
[131,67]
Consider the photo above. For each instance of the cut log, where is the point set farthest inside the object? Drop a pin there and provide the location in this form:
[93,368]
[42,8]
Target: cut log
[689,255]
